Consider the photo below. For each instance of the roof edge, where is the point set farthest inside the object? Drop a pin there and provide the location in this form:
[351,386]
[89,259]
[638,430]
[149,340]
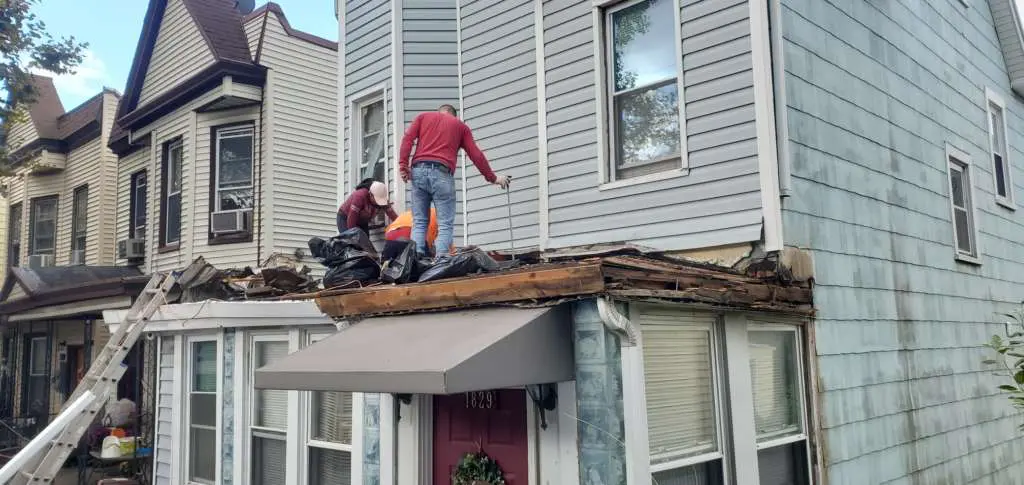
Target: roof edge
[272,7]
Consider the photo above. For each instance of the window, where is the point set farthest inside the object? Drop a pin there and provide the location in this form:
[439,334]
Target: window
[36,395]
[269,424]
[964,234]
[170,207]
[14,229]
[642,80]
[202,412]
[1001,168]
[372,140]
[43,226]
[692,391]
[329,444]
[137,206]
[79,218]
[234,169]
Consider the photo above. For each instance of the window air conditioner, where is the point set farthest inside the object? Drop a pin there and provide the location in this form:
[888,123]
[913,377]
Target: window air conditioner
[40,261]
[78,257]
[131,249]
[228,222]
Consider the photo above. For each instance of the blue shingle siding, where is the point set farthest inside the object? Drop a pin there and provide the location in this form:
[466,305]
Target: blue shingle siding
[875,89]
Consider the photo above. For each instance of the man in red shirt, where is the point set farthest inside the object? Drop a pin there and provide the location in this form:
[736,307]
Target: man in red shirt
[438,136]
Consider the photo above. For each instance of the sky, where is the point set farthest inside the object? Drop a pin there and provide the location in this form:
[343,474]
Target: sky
[112,27]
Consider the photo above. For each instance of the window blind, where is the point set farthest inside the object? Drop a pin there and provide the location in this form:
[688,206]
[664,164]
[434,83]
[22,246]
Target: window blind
[332,417]
[204,366]
[270,406]
[329,467]
[679,384]
[773,375]
[268,461]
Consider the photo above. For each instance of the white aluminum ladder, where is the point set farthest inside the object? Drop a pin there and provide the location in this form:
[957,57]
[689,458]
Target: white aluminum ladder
[101,380]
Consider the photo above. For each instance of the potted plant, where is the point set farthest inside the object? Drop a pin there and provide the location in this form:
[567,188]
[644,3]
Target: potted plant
[478,469]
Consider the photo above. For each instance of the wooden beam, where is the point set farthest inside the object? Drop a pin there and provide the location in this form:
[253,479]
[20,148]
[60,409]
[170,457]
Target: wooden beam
[574,280]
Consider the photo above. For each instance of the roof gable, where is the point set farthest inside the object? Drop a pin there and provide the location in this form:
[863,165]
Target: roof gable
[219,26]
[1006,18]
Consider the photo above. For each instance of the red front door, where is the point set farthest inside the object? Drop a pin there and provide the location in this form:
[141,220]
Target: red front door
[492,421]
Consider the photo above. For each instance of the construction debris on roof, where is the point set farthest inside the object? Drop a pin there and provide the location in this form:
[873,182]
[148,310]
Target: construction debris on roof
[205,282]
[627,274]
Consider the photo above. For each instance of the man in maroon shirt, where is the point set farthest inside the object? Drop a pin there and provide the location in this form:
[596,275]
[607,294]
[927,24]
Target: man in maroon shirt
[438,136]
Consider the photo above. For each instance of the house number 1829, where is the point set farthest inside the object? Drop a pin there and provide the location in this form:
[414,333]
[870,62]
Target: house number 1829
[481,400]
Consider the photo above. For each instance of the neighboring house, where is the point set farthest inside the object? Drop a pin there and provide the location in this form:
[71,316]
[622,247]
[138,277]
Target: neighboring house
[59,252]
[225,137]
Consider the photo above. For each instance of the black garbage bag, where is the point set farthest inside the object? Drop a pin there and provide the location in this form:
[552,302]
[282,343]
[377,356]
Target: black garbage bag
[357,238]
[465,262]
[402,267]
[334,251]
[359,266]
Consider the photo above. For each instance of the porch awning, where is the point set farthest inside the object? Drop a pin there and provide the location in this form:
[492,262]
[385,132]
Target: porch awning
[435,353]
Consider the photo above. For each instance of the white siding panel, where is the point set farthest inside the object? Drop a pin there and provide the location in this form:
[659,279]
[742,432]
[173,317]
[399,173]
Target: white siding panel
[718,202]
[305,140]
[21,134]
[367,66]
[166,410]
[179,53]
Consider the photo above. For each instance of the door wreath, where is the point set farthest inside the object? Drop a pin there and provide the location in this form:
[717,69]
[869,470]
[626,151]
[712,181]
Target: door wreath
[478,469]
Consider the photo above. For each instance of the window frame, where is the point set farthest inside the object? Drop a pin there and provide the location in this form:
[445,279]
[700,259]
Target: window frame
[604,81]
[957,159]
[798,348]
[33,205]
[166,194]
[80,229]
[16,212]
[359,101]
[138,205]
[994,100]
[253,431]
[307,440]
[214,201]
[187,409]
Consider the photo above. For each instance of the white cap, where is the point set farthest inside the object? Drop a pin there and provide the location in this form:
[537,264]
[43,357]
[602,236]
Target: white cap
[379,191]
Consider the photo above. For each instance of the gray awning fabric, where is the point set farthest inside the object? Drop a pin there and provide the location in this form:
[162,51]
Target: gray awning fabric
[436,353]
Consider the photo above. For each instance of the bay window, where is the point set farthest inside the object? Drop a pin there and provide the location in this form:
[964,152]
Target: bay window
[201,412]
[329,437]
[692,365]
[642,79]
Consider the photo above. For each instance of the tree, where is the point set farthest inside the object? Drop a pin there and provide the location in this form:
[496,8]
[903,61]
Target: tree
[1009,357]
[25,47]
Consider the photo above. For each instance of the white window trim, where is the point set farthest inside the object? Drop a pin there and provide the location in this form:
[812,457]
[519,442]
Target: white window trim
[306,441]
[952,153]
[1009,202]
[185,412]
[135,199]
[177,144]
[605,132]
[228,132]
[355,140]
[245,400]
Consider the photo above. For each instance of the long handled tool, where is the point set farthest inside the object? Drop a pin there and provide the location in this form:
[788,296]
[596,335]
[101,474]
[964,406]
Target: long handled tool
[508,203]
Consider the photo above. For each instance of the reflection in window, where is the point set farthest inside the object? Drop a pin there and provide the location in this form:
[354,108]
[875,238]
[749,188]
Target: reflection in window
[372,162]
[234,169]
[644,88]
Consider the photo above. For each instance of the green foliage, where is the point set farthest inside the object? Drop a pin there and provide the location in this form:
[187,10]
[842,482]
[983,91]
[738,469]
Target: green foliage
[1008,358]
[478,467]
[26,46]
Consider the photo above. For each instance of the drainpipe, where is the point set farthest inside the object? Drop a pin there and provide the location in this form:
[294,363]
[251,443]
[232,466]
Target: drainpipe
[637,446]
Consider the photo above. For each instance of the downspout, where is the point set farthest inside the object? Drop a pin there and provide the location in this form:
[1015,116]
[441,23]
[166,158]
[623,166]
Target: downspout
[779,88]
[617,322]
[258,218]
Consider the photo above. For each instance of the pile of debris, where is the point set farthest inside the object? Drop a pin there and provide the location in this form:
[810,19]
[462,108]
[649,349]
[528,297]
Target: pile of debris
[352,262]
[211,283]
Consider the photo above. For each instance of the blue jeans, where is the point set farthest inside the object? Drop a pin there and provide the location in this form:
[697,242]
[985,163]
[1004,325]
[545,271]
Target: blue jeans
[432,182]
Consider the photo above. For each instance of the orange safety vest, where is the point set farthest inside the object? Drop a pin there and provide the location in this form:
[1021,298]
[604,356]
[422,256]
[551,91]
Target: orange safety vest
[401,228]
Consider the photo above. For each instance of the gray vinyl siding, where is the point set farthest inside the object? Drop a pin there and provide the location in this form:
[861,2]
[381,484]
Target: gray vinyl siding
[429,56]
[719,201]
[367,66]
[180,51]
[1007,23]
[305,140]
[166,410]
[499,93]
[875,90]
[128,166]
